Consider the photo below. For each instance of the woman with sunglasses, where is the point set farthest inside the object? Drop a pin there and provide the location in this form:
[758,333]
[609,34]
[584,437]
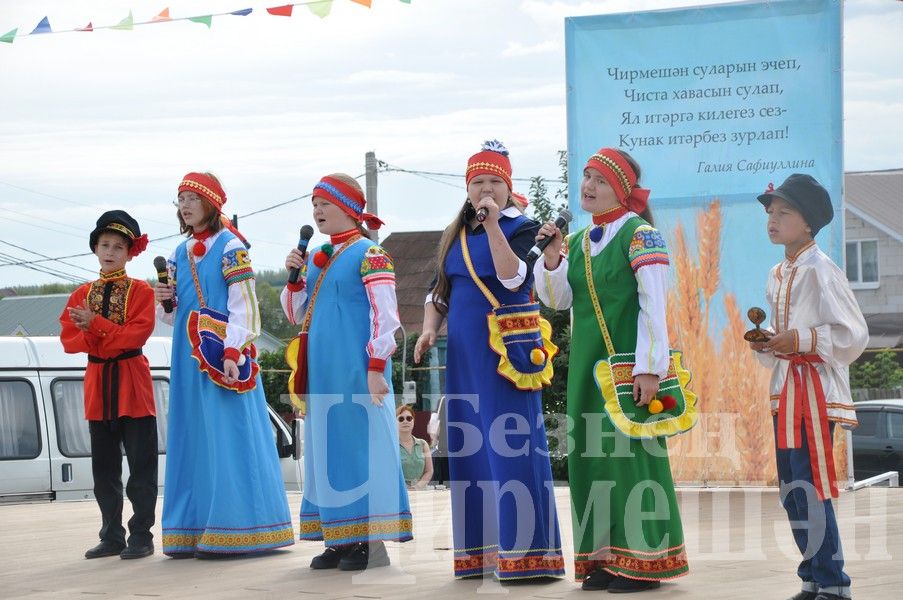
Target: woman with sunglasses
[416,462]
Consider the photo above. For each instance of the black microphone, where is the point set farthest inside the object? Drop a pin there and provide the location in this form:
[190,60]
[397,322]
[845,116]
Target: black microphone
[564,217]
[304,236]
[163,277]
[482,214]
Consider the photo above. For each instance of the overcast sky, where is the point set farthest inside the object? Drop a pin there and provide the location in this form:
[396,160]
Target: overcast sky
[112,119]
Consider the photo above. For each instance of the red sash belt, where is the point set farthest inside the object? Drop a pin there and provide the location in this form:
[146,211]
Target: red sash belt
[803,401]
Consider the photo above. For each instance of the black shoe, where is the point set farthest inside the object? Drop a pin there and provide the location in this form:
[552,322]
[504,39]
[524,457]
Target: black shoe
[330,557]
[827,596]
[137,551]
[804,596]
[365,556]
[179,555]
[105,548]
[625,585]
[598,580]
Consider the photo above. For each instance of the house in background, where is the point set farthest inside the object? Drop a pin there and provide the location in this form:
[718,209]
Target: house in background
[414,255]
[39,315]
[873,202]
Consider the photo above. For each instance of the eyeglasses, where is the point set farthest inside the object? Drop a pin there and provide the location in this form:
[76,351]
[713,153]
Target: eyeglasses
[187,201]
[403,418]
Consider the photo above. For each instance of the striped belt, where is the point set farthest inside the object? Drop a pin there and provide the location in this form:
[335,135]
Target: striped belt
[802,402]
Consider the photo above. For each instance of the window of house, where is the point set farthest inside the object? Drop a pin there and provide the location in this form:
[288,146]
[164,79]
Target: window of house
[862,263]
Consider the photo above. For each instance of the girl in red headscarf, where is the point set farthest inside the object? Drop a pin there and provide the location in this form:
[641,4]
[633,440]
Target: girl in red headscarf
[615,271]
[354,492]
[224,493]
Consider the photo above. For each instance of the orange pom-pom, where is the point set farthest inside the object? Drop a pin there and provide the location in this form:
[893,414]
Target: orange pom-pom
[320,259]
[655,406]
[537,356]
[199,249]
[669,402]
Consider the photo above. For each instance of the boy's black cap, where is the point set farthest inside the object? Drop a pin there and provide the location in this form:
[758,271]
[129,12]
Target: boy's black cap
[806,195]
[118,221]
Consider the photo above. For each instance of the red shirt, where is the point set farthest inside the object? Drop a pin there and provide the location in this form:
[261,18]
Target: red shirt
[129,307]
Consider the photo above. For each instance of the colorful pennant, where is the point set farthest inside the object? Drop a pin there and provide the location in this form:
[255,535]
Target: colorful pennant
[320,8]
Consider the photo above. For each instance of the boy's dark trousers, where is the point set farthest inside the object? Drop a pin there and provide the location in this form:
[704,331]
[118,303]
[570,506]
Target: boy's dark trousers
[139,437]
[811,520]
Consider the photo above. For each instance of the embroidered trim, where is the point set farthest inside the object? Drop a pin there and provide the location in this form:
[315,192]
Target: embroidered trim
[668,564]
[487,166]
[208,192]
[337,195]
[623,179]
[113,275]
[397,527]
[228,541]
[121,229]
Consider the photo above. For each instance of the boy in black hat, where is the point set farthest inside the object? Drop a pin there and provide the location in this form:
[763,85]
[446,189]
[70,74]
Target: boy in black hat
[818,330]
[110,319]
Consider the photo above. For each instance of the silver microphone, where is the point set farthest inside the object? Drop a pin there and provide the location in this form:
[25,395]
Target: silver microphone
[564,217]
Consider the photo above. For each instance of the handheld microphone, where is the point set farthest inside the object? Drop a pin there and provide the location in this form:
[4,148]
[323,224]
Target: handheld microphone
[304,236]
[163,277]
[482,214]
[564,217]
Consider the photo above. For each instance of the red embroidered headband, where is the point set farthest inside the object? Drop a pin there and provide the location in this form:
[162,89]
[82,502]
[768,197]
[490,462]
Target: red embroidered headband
[348,198]
[210,190]
[621,177]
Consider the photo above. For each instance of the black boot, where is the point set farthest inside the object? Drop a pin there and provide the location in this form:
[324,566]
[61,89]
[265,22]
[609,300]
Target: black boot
[105,548]
[625,585]
[137,551]
[598,580]
[365,556]
[827,596]
[805,596]
[330,557]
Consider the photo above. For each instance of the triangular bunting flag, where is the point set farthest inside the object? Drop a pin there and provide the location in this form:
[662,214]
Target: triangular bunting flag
[88,27]
[43,27]
[163,16]
[127,24]
[242,13]
[281,11]
[9,36]
[321,9]
[206,20]
[362,2]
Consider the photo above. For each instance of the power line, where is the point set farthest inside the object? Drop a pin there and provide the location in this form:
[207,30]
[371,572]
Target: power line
[45,270]
[45,256]
[387,168]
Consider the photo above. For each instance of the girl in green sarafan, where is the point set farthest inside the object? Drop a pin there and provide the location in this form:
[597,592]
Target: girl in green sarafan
[627,530]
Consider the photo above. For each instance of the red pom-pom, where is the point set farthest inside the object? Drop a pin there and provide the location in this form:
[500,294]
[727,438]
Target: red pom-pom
[669,402]
[320,259]
[199,249]
[139,244]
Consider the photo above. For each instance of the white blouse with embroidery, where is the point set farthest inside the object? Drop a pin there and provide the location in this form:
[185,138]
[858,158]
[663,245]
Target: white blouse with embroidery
[652,355]
[811,296]
[244,313]
[379,284]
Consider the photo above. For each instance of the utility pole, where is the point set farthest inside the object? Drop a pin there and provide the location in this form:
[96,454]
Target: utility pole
[370,181]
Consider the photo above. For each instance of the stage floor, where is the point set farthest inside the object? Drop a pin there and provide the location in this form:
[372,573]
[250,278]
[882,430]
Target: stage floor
[738,541]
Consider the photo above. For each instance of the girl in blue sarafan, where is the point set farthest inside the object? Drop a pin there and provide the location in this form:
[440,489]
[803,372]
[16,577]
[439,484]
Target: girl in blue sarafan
[503,504]
[344,300]
[224,493]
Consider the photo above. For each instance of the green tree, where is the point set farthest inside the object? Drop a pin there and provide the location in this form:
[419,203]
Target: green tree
[554,397]
[272,317]
[274,374]
[883,371]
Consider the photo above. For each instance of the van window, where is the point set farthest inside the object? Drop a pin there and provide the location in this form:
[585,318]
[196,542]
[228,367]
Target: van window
[895,424]
[74,439]
[868,423]
[19,437]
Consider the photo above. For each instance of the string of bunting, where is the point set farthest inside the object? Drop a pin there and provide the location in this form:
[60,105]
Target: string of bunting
[321,8]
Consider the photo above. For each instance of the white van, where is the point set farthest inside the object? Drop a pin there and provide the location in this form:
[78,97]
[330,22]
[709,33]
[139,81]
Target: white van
[45,448]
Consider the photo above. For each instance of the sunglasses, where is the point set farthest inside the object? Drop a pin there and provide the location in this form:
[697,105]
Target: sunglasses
[403,418]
